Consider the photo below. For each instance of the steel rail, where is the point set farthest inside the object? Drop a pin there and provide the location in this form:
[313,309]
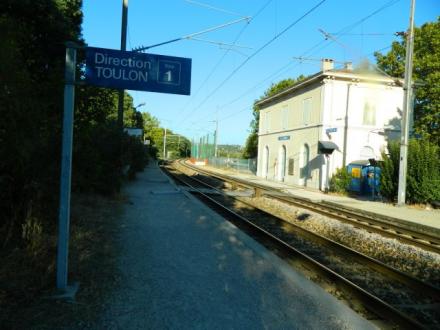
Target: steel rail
[371,302]
[372,223]
[377,265]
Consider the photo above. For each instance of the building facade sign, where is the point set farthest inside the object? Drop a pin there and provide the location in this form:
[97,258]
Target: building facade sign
[284,138]
[137,71]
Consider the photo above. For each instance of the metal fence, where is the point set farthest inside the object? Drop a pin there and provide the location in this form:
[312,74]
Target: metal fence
[204,148]
[248,166]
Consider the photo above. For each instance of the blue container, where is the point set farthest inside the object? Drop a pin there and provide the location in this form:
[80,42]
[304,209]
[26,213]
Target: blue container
[371,182]
[365,178]
[355,169]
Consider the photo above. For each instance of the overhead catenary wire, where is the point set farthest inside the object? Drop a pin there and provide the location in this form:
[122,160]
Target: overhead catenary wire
[201,4]
[311,49]
[270,41]
[330,37]
[216,66]
[358,22]
[192,35]
[182,112]
[219,43]
[273,75]
[248,106]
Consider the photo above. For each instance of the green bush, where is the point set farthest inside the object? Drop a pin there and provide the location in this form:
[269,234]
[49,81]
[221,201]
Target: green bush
[95,160]
[340,181]
[423,172]
[134,155]
[390,171]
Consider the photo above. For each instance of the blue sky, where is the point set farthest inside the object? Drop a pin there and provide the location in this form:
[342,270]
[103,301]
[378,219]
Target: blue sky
[227,79]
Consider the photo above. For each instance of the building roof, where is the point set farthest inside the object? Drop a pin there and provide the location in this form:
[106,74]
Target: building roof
[370,76]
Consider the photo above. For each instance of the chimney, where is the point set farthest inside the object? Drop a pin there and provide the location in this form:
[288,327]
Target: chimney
[326,64]
[348,66]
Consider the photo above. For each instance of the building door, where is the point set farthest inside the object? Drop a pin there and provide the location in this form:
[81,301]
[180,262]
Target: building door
[265,169]
[282,166]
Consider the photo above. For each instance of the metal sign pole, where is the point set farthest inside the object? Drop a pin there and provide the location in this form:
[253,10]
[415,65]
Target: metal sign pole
[66,171]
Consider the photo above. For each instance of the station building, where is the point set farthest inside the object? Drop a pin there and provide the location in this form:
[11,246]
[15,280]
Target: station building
[350,112]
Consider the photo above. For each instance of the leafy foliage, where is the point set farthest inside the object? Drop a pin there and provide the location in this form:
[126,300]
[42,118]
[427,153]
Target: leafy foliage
[251,146]
[229,150]
[390,171]
[340,181]
[426,74]
[423,175]
[33,35]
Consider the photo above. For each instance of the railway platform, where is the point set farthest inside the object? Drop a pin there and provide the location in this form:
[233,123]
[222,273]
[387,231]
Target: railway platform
[185,267]
[422,219]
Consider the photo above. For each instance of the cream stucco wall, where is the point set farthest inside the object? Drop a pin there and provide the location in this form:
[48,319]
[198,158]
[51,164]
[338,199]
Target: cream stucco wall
[363,140]
[293,136]
[329,105]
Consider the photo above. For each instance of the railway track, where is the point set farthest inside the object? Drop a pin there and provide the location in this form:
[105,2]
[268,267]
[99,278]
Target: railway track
[370,222]
[382,290]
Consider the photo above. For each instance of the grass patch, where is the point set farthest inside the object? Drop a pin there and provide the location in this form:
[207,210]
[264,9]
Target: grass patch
[27,275]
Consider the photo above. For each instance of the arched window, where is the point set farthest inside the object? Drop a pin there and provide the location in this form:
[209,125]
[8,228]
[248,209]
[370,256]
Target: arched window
[305,156]
[265,169]
[282,167]
[369,114]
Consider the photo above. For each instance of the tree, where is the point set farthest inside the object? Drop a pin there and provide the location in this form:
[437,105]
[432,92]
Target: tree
[426,74]
[423,180]
[150,122]
[33,35]
[251,146]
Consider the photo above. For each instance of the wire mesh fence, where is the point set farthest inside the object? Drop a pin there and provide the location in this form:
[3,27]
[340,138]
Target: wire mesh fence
[204,147]
[239,165]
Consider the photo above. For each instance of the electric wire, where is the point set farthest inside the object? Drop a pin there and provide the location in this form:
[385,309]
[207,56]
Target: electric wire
[201,4]
[311,50]
[261,48]
[214,69]
[355,24]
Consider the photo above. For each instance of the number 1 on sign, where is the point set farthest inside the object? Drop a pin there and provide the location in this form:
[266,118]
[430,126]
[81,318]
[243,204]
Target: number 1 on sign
[168,75]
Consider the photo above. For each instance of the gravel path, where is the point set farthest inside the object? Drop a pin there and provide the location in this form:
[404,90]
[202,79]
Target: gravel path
[183,267]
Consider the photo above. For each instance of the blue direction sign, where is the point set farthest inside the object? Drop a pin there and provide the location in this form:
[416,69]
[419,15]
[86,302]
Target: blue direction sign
[331,130]
[137,71]
[284,138]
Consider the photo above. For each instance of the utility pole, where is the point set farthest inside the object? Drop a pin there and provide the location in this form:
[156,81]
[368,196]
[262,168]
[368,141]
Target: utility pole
[407,109]
[164,143]
[347,105]
[123,47]
[215,138]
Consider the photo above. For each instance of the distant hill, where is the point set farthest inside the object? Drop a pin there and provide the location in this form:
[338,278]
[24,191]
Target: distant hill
[229,150]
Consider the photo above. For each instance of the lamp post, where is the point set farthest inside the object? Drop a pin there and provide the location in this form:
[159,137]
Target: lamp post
[139,105]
